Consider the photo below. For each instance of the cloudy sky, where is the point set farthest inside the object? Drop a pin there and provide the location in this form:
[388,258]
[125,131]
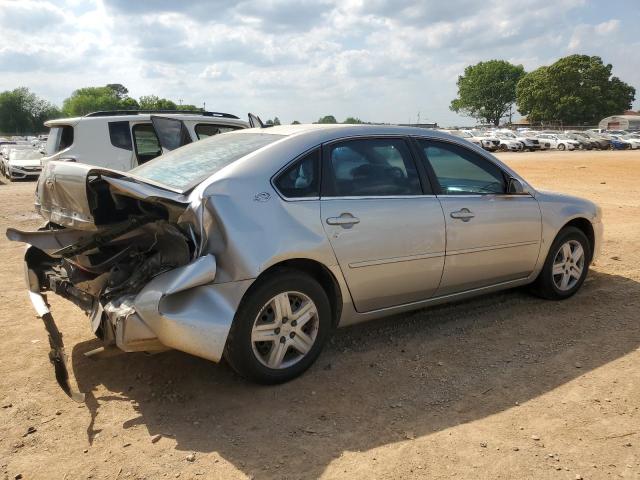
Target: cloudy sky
[380,60]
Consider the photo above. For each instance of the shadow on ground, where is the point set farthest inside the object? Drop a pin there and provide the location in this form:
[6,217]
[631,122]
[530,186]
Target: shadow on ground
[418,373]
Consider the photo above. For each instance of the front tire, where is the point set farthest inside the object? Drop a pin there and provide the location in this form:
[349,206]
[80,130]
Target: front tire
[561,146]
[566,265]
[280,328]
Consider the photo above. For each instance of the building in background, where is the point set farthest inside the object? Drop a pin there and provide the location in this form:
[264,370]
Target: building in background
[628,121]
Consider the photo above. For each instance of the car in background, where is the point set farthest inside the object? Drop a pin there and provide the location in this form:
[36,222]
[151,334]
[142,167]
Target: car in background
[599,140]
[465,134]
[22,164]
[508,142]
[233,247]
[124,139]
[528,142]
[487,141]
[559,141]
[625,142]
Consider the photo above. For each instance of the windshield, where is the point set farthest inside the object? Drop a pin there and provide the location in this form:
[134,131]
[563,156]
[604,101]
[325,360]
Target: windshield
[187,166]
[563,137]
[29,154]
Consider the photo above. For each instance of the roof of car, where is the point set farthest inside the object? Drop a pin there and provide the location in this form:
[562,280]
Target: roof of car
[111,116]
[330,129]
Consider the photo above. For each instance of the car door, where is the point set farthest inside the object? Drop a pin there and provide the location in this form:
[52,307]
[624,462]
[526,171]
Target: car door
[385,227]
[172,133]
[493,236]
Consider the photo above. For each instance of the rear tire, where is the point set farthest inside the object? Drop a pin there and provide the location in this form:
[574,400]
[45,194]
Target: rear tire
[280,328]
[565,267]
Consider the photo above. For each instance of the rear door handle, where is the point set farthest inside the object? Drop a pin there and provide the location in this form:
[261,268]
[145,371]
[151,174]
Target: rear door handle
[345,220]
[463,214]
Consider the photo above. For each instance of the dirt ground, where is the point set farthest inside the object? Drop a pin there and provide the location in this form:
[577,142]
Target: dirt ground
[504,386]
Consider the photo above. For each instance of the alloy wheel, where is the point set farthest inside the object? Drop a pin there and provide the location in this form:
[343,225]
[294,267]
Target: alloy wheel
[568,265]
[285,330]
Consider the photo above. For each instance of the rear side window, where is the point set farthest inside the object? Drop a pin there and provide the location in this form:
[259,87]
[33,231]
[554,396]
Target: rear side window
[302,179]
[60,137]
[204,130]
[372,167]
[120,135]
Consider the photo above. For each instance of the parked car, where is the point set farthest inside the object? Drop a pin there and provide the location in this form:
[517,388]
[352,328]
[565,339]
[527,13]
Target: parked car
[617,143]
[235,246]
[466,135]
[528,142]
[601,142]
[487,141]
[124,139]
[508,143]
[584,143]
[559,141]
[632,142]
[22,164]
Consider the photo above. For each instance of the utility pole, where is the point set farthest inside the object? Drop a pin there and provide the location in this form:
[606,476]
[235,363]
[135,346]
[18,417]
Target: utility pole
[204,106]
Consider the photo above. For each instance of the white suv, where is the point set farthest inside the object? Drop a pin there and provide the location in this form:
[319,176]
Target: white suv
[122,140]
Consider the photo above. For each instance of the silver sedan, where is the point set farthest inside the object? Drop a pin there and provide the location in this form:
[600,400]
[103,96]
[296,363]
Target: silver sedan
[255,244]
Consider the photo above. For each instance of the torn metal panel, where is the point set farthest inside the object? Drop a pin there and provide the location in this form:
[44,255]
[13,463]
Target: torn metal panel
[187,311]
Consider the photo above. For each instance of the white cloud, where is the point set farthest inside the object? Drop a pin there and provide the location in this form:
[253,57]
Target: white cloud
[381,60]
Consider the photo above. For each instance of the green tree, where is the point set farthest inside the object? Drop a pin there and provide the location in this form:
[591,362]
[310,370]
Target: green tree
[153,102]
[92,99]
[327,119]
[353,120]
[276,121]
[23,112]
[577,89]
[295,122]
[120,90]
[487,90]
[188,107]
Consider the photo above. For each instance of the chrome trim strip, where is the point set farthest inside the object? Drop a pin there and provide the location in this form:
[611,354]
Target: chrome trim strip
[384,261]
[376,197]
[492,247]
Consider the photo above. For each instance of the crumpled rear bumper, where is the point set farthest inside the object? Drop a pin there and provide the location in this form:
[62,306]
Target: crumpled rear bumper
[181,309]
[188,312]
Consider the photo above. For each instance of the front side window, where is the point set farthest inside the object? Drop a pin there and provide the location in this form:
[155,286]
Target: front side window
[371,167]
[60,137]
[120,135]
[146,142]
[462,172]
[204,130]
[302,179]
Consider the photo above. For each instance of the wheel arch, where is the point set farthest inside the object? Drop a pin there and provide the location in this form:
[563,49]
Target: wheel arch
[318,271]
[585,226]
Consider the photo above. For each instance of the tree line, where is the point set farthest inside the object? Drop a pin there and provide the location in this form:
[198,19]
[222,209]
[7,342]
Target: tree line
[575,90]
[23,112]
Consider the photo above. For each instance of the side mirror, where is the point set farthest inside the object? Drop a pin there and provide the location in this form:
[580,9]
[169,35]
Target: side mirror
[515,187]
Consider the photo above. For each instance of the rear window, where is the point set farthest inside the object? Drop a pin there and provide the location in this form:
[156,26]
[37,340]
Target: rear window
[189,165]
[60,137]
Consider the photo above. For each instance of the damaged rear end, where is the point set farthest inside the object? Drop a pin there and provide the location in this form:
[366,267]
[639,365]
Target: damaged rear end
[129,254]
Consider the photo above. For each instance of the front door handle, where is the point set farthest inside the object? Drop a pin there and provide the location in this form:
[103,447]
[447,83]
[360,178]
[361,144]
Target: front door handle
[463,214]
[345,220]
